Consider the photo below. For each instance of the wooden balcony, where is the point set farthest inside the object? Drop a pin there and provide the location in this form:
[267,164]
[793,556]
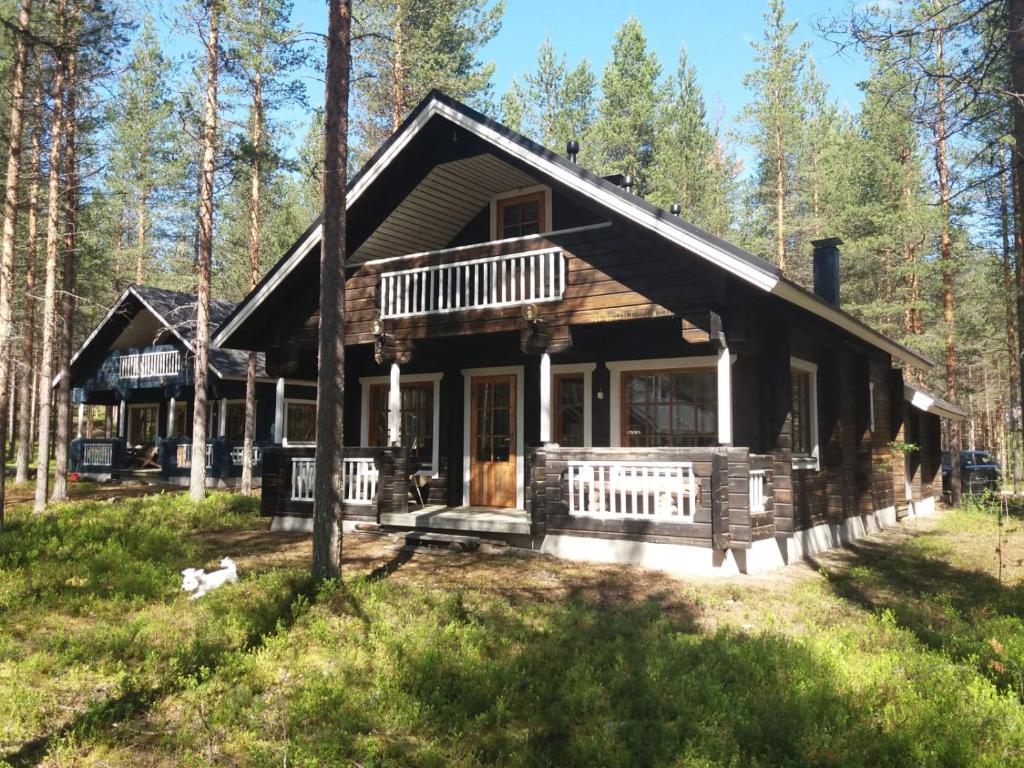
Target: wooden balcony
[149,364]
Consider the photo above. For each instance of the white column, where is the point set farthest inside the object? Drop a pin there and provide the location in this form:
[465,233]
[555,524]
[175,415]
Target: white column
[279,412]
[545,398]
[121,413]
[81,417]
[724,397]
[222,426]
[395,406]
[170,416]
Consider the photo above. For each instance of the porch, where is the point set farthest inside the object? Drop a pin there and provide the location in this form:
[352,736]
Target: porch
[717,498]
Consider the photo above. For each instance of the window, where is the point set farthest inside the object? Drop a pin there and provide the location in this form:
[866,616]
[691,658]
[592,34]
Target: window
[142,424]
[299,421]
[234,424]
[182,422]
[669,408]
[417,419]
[212,418]
[568,409]
[523,215]
[804,413]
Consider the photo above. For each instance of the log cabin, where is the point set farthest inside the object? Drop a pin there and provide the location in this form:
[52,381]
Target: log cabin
[535,352]
[138,365]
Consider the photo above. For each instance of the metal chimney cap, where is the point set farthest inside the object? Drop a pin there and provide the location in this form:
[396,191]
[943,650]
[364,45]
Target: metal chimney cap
[676,209]
[827,242]
[572,148]
[627,182]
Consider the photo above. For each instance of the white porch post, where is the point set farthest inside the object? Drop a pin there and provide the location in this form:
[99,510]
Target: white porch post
[170,416]
[279,412]
[545,398]
[81,418]
[222,426]
[395,406]
[724,397]
[121,413]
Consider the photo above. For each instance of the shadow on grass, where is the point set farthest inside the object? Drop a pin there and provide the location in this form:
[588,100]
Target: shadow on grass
[460,681]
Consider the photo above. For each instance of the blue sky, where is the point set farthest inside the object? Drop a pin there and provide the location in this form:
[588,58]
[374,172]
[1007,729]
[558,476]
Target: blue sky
[717,36]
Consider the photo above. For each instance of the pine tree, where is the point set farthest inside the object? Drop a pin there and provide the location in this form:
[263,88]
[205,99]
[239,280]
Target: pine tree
[145,168]
[690,163]
[624,131]
[409,47]
[775,116]
[555,104]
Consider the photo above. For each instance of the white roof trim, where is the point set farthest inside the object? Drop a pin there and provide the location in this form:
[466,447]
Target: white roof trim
[750,273]
[923,401]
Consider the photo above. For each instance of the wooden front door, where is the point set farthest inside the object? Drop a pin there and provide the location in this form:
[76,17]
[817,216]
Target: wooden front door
[492,440]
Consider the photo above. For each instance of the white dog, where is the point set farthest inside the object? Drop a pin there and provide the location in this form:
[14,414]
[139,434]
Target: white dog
[199,582]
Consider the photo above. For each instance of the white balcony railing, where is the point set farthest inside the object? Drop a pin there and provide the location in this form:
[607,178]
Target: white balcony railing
[359,476]
[184,455]
[497,281]
[238,451]
[758,483]
[98,454]
[660,490]
[145,364]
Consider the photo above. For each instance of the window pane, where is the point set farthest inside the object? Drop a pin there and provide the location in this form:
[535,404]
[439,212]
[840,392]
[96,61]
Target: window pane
[234,428]
[671,408]
[568,410]
[301,422]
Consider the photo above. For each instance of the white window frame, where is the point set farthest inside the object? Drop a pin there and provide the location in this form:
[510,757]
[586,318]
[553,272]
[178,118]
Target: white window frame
[467,377]
[223,429]
[519,192]
[813,459]
[871,406]
[618,367]
[587,369]
[284,433]
[366,382]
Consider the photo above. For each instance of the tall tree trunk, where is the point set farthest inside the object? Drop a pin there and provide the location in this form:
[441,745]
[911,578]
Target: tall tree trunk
[331,375]
[50,292]
[780,201]
[948,266]
[26,389]
[254,268]
[1015,43]
[197,486]
[1012,341]
[67,301]
[140,235]
[398,70]
[10,223]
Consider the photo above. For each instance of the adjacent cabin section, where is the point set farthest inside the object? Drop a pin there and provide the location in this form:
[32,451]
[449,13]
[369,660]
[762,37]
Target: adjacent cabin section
[534,351]
[138,367]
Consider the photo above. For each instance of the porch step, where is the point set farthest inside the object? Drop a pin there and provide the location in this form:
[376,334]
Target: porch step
[424,540]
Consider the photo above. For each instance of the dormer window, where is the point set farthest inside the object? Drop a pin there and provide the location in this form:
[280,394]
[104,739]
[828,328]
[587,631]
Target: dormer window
[520,213]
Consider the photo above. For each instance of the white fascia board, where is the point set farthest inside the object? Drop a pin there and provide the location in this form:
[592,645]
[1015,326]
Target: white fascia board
[794,295]
[925,402]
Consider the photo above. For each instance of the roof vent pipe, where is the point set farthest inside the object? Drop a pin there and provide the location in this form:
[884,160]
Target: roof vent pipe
[676,209]
[627,182]
[826,269]
[572,148]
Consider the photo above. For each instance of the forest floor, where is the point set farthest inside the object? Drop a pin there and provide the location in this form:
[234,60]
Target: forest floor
[904,649]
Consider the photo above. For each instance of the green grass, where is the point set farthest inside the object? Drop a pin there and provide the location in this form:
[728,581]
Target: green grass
[902,651]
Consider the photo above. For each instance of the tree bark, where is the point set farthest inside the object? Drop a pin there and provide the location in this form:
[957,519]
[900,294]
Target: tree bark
[10,222]
[331,375]
[947,260]
[1010,312]
[1015,43]
[780,202]
[254,263]
[140,235]
[197,486]
[50,292]
[26,388]
[67,300]
[398,71]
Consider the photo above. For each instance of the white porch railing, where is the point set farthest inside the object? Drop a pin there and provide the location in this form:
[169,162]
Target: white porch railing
[758,483]
[98,454]
[497,281]
[184,455]
[238,451]
[164,363]
[303,472]
[661,490]
[359,477]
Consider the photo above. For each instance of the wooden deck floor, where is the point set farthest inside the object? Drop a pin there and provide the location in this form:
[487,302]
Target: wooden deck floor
[478,519]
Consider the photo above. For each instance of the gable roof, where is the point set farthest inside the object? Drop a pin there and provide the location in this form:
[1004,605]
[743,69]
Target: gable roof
[175,311]
[722,254]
